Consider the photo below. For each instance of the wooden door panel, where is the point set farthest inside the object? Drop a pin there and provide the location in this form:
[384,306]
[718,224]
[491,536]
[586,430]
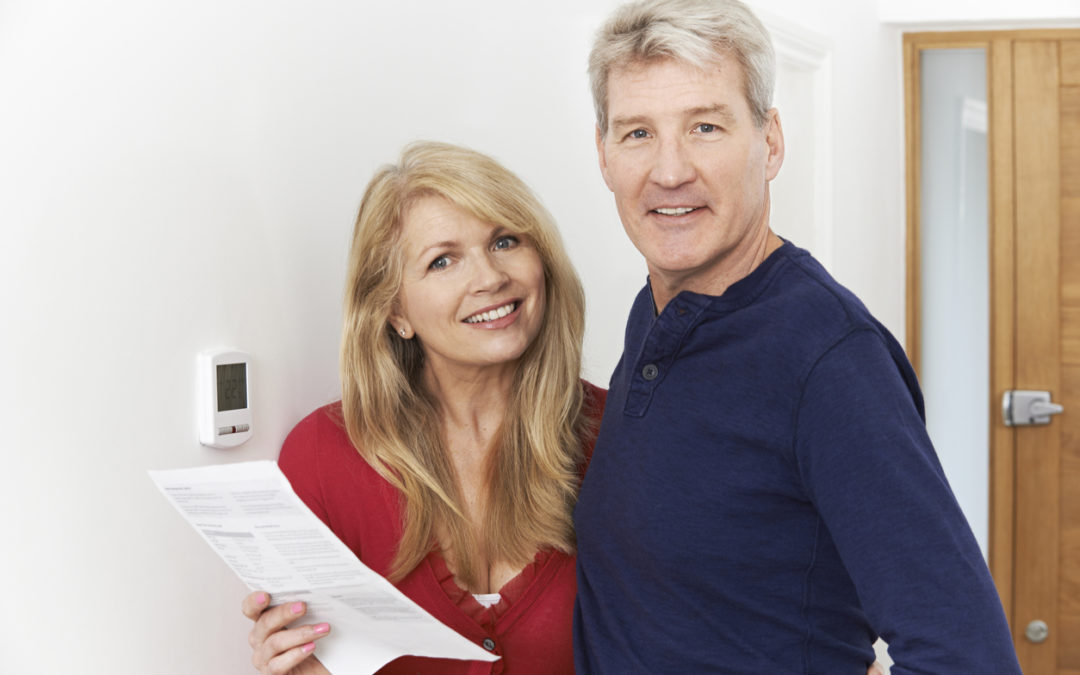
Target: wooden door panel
[1070,62]
[1038,458]
[1002,321]
[1070,213]
[1069,590]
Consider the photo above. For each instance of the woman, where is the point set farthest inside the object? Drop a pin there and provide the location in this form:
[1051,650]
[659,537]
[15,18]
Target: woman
[452,463]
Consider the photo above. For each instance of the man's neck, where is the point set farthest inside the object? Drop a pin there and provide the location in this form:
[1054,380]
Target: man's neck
[666,286]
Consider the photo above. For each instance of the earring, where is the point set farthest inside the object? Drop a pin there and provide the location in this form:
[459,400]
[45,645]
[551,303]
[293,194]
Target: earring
[402,331]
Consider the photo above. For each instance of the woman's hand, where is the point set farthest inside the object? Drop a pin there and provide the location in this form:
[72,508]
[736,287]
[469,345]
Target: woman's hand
[875,669]
[277,650]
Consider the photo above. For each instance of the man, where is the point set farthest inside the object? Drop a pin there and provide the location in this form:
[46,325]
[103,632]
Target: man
[763,497]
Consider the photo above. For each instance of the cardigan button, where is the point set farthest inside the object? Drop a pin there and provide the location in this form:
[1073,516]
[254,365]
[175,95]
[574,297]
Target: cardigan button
[489,644]
[650,371]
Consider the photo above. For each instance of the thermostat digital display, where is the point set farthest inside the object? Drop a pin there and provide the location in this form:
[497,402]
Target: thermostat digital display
[225,398]
[231,386]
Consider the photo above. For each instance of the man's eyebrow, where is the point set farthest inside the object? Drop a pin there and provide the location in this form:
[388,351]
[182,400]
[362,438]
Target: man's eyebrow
[631,121]
[721,110]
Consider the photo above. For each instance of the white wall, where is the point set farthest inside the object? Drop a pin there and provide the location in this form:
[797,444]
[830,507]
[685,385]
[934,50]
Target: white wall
[180,176]
[1004,12]
[867,182]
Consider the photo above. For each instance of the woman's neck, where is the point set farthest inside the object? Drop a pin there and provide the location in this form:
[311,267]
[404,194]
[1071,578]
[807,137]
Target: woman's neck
[473,402]
[471,408]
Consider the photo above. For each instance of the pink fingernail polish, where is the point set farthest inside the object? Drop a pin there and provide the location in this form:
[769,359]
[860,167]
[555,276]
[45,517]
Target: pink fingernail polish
[260,598]
[297,607]
[321,628]
[308,648]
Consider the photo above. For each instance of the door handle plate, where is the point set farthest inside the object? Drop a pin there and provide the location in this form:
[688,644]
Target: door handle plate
[1023,407]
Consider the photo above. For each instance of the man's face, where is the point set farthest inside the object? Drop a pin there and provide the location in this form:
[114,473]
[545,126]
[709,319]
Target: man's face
[689,168]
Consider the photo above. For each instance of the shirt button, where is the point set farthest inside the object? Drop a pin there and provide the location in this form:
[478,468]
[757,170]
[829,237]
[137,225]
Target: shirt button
[650,371]
[489,644]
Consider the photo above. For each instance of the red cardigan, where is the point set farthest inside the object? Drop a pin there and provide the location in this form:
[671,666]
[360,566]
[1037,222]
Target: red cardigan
[530,627]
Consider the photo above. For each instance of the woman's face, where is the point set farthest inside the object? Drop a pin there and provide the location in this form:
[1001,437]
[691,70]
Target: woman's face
[472,292]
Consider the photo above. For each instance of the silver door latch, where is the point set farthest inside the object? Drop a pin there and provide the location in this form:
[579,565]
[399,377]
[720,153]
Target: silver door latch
[1037,631]
[1024,408]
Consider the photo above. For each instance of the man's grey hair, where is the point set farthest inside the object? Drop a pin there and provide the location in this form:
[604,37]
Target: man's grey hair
[695,32]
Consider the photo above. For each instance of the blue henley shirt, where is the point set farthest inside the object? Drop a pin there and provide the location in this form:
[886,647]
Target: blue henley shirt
[764,498]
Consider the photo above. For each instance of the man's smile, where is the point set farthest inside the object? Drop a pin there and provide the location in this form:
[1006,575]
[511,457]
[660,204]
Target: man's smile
[675,211]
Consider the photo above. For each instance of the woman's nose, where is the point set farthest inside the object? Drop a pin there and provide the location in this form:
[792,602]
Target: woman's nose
[489,274]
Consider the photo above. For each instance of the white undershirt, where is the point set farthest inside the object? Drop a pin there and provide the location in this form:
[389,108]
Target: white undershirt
[487,599]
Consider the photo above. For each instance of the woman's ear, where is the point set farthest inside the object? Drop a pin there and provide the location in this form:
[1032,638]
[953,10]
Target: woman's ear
[399,323]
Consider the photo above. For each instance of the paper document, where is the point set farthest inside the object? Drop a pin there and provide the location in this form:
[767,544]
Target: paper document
[250,515]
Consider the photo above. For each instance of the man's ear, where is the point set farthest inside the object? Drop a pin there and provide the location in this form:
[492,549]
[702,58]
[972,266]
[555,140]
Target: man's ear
[602,157]
[774,138]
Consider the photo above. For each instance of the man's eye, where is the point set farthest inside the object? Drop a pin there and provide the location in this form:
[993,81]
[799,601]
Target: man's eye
[440,263]
[706,128]
[639,133]
[505,242]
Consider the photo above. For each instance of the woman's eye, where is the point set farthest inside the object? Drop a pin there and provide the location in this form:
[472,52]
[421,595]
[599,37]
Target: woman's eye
[706,128]
[639,133]
[440,263]
[506,242]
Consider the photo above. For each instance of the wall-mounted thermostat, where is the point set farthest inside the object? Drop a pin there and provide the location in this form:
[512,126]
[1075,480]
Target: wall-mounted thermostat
[224,398]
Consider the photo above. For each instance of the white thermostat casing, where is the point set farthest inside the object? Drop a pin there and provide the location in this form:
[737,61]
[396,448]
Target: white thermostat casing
[224,398]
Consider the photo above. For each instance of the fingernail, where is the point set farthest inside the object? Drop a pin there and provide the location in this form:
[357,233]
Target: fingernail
[309,647]
[260,598]
[321,628]
[297,607]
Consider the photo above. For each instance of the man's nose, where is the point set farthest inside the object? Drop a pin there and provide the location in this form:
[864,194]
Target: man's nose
[672,165]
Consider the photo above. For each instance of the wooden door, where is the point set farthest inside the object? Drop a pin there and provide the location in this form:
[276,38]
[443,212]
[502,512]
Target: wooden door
[1046,147]
[1034,119]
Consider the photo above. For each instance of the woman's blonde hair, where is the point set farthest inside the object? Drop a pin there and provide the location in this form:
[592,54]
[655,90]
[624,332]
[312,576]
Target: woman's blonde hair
[391,419]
